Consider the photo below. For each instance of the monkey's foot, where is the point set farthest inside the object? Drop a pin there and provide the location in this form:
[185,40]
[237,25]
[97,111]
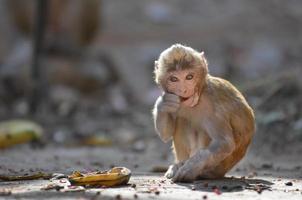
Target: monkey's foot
[170,173]
[172,170]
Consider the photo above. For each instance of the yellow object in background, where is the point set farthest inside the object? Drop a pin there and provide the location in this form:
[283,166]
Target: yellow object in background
[97,140]
[14,132]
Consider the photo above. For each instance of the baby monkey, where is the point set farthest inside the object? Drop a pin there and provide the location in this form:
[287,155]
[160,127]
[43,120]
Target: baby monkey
[208,119]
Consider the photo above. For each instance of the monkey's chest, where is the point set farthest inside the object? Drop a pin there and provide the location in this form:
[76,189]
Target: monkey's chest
[190,133]
[193,137]
[197,139]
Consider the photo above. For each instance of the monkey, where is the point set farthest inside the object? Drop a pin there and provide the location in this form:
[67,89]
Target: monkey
[208,120]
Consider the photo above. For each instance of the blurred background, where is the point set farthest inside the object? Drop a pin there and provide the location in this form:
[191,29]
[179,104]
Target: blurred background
[83,69]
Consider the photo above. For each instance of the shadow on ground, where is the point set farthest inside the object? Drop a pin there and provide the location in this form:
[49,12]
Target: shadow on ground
[229,184]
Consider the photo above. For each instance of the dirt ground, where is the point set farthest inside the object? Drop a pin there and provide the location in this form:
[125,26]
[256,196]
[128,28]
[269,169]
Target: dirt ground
[256,177]
[105,87]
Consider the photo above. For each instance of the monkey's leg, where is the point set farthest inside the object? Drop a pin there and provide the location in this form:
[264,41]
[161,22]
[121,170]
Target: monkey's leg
[219,149]
[180,157]
[227,164]
[180,148]
[180,141]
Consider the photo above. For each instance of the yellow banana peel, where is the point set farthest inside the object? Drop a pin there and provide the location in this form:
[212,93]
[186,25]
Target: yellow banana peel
[14,132]
[114,177]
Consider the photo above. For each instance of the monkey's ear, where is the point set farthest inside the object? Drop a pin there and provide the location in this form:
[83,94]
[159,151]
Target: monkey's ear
[201,54]
[156,65]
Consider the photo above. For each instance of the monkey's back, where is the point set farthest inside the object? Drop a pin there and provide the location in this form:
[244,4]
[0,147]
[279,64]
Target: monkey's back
[230,103]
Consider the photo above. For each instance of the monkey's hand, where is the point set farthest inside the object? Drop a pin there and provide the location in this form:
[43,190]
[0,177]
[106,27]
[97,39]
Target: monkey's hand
[164,121]
[191,169]
[168,102]
[186,173]
[172,170]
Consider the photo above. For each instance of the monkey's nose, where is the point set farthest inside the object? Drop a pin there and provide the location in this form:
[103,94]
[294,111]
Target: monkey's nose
[182,91]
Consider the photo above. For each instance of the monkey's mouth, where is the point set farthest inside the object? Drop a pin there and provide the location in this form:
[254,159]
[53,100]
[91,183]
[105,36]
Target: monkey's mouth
[184,98]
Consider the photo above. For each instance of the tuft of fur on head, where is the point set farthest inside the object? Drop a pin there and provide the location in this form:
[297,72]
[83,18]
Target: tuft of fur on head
[179,57]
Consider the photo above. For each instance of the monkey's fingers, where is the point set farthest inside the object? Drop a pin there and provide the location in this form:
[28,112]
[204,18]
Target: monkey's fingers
[171,97]
[171,171]
[169,109]
[183,175]
[178,176]
[172,104]
[169,174]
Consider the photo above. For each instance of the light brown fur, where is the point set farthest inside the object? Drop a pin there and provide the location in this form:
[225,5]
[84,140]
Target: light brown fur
[211,137]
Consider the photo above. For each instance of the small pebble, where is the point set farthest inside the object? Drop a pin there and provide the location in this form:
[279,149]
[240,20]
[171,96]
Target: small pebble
[217,191]
[224,187]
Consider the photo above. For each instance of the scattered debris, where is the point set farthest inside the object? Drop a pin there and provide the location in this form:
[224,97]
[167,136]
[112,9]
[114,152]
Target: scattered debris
[114,177]
[259,188]
[151,190]
[14,132]
[56,176]
[63,181]
[157,192]
[289,183]
[5,192]
[73,188]
[234,188]
[267,166]
[252,174]
[217,191]
[38,175]
[53,187]
[224,187]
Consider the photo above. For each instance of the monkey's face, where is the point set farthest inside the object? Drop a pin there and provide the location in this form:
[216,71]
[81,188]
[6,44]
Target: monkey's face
[184,83]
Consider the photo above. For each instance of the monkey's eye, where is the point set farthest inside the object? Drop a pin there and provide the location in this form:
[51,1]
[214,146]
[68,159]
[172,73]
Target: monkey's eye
[189,77]
[173,79]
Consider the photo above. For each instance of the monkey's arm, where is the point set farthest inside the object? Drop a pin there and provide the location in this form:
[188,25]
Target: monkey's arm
[163,121]
[221,146]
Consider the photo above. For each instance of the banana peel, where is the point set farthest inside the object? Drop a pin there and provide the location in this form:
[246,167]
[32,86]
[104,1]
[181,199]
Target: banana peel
[14,132]
[115,177]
